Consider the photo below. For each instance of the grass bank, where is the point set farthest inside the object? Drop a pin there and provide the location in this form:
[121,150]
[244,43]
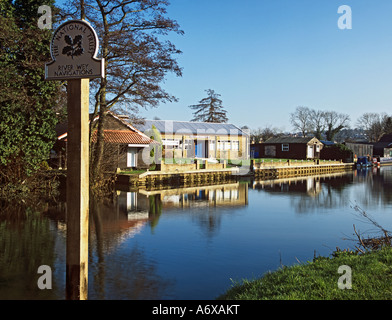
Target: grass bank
[371,279]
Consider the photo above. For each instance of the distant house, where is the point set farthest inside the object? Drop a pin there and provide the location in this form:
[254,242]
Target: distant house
[292,148]
[185,139]
[383,148]
[127,147]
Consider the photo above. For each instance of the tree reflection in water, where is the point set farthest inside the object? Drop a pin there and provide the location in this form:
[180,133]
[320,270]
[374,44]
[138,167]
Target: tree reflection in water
[27,241]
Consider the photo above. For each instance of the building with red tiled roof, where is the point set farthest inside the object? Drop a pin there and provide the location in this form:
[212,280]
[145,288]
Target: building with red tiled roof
[125,146]
[124,137]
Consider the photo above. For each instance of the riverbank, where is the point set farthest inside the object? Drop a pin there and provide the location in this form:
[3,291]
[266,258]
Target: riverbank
[204,173]
[371,275]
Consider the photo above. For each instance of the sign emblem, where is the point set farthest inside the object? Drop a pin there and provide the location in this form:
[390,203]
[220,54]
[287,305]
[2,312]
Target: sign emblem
[74,47]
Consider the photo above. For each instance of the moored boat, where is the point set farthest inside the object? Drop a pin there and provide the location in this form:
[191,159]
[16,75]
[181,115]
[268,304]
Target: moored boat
[384,161]
[364,162]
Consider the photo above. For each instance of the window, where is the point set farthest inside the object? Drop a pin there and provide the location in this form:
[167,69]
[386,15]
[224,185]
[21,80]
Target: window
[235,145]
[224,145]
[285,147]
[270,151]
[220,145]
[187,144]
[317,148]
[212,145]
[171,143]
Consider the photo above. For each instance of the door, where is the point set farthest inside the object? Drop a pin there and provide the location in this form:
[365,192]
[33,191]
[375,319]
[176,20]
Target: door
[310,152]
[198,149]
[131,157]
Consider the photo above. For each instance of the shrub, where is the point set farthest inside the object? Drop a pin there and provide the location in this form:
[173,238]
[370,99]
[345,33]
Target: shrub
[335,152]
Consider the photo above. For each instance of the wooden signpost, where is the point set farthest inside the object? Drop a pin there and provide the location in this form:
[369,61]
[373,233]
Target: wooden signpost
[74,48]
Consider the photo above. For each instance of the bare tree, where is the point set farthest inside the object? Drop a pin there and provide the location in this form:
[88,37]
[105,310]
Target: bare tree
[263,134]
[137,58]
[300,120]
[375,125]
[366,120]
[318,124]
[335,122]
[371,124]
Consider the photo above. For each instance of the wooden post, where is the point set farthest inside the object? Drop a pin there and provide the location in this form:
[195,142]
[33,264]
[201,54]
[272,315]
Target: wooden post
[77,189]
[77,72]
[183,147]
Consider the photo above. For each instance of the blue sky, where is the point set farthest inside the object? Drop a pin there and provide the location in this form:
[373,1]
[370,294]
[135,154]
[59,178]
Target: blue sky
[266,57]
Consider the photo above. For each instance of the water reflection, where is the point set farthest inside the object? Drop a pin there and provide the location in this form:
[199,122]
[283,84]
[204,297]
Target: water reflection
[130,275]
[27,240]
[308,194]
[182,243]
[379,183]
[230,195]
[204,204]
[133,275]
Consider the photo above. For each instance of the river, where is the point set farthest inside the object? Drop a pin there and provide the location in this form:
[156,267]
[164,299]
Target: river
[192,243]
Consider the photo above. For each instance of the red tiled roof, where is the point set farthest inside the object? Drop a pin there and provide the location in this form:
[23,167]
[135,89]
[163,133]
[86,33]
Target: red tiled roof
[129,136]
[124,137]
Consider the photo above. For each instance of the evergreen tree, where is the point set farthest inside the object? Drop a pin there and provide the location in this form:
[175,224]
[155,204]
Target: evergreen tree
[210,109]
[27,119]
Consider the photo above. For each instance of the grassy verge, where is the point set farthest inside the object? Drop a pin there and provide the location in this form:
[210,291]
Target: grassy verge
[293,161]
[271,161]
[133,171]
[371,275]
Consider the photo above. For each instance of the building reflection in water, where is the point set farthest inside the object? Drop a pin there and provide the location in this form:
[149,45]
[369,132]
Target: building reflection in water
[308,194]
[137,210]
[234,194]
[134,211]
[310,185]
[369,187]
[377,182]
[120,268]
[149,205]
